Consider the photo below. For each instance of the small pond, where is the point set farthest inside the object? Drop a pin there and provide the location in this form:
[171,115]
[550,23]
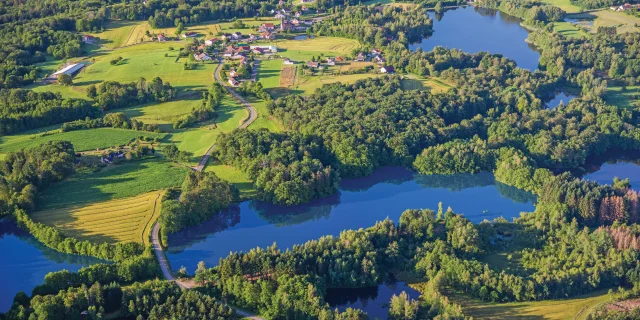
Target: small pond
[26,261]
[622,169]
[374,300]
[474,29]
[360,203]
[561,96]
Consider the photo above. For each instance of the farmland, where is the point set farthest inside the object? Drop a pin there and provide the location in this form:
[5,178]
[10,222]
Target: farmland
[121,220]
[607,18]
[269,72]
[82,140]
[304,50]
[288,75]
[114,182]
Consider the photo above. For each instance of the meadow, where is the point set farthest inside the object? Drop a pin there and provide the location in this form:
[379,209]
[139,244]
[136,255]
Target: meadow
[234,176]
[117,34]
[568,29]
[82,140]
[565,5]
[304,50]
[264,120]
[627,97]
[269,72]
[113,182]
[121,220]
[436,85]
[607,18]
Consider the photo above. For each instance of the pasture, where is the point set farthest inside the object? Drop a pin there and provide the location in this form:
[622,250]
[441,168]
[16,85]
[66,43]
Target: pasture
[121,220]
[607,18]
[304,50]
[82,140]
[565,5]
[128,179]
[269,72]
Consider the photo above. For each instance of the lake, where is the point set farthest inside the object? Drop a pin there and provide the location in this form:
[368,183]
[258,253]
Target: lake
[374,300]
[473,29]
[359,204]
[26,261]
[561,96]
[622,169]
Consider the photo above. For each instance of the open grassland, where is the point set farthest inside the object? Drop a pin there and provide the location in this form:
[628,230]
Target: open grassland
[234,176]
[607,18]
[303,50]
[205,29]
[82,140]
[436,85]
[163,113]
[113,182]
[562,309]
[309,84]
[626,98]
[567,29]
[565,5]
[269,72]
[121,220]
[264,120]
[116,34]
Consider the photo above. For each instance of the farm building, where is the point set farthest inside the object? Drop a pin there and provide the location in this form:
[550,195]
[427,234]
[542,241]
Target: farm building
[331,62]
[210,42]
[190,34]
[69,70]
[288,61]
[161,37]
[202,57]
[233,82]
[266,49]
[313,64]
[88,39]
[388,69]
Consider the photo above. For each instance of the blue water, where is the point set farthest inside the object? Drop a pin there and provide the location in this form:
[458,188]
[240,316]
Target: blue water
[472,30]
[560,97]
[25,262]
[374,301]
[360,203]
[621,169]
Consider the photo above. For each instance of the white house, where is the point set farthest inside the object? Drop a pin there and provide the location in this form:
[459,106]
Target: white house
[266,49]
[288,61]
[201,57]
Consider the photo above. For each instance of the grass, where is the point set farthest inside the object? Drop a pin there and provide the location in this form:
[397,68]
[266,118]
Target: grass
[234,176]
[113,182]
[607,18]
[436,85]
[568,29]
[308,84]
[82,140]
[304,50]
[565,5]
[121,220]
[269,73]
[264,120]
[623,98]
[575,308]
[163,113]
[117,34]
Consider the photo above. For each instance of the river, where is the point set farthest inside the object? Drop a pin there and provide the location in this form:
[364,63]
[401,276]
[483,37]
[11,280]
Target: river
[359,204]
[26,261]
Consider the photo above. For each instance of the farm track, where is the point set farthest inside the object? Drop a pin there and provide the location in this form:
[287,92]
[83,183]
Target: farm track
[155,235]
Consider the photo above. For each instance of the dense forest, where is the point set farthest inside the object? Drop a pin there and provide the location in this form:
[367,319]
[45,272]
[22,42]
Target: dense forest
[110,94]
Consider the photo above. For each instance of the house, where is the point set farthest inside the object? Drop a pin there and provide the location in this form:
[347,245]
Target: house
[243,48]
[68,70]
[312,64]
[236,36]
[361,56]
[201,57]
[267,35]
[267,27]
[211,42]
[295,22]
[288,61]
[88,39]
[226,36]
[280,16]
[233,82]
[331,62]
[388,69]
[376,52]
[190,34]
[286,26]
[379,59]
[233,74]
[257,50]
[251,38]
[305,9]
[266,49]
[161,37]
[340,59]
[227,53]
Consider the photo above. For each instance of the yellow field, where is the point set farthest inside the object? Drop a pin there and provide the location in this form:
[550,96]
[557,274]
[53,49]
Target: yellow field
[287,76]
[121,220]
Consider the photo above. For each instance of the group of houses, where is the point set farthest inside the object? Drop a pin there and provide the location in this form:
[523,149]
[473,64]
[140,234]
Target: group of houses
[625,7]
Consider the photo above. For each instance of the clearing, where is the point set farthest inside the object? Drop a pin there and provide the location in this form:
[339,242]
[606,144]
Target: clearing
[626,97]
[436,85]
[570,30]
[234,176]
[287,76]
[113,182]
[122,220]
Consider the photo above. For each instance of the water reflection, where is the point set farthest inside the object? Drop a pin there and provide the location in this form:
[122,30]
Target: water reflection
[475,29]
[372,300]
[560,97]
[622,168]
[26,261]
[360,203]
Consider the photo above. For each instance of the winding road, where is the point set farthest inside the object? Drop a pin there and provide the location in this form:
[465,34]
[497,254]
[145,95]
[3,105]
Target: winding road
[155,234]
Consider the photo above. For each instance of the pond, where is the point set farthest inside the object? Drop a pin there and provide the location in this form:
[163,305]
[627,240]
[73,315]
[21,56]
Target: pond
[374,300]
[360,203]
[473,29]
[26,261]
[622,169]
[561,96]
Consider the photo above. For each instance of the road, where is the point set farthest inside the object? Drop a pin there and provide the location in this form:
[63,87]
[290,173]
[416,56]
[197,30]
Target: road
[155,234]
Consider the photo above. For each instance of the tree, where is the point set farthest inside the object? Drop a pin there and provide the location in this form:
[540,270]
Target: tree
[65,79]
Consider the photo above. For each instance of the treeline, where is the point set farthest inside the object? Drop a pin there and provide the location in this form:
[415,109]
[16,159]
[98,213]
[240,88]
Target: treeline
[113,120]
[111,94]
[377,27]
[206,111]
[202,195]
[22,110]
[286,168]
[531,12]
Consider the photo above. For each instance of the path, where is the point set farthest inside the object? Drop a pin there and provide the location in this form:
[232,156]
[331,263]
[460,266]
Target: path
[155,235]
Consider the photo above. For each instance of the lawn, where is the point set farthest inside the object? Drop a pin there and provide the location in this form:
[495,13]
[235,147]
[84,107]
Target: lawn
[623,98]
[569,30]
[82,140]
[128,179]
[565,5]
[304,50]
[234,176]
[269,73]
[436,85]
[121,220]
[575,308]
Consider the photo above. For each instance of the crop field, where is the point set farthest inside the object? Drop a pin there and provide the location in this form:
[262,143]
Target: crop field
[303,50]
[121,220]
[269,72]
[287,76]
[562,309]
[128,179]
[82,140]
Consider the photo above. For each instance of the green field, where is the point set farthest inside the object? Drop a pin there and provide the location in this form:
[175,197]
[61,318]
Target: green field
[264,120]
[607,18]
[565,5]
[113,182]
[234,176]
[269,73]
[629,97]
[165,112]
[82,140]
[303,50]
[567,29]
[309,84]
[436,85]
[117,34]
[121,220]
[563,309]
